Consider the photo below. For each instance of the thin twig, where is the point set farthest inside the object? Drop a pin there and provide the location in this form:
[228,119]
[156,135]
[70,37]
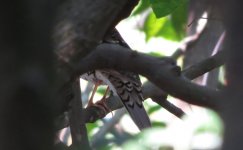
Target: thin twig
[169,106]
[205,66]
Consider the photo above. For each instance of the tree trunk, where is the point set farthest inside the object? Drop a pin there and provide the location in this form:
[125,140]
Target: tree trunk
[26,75]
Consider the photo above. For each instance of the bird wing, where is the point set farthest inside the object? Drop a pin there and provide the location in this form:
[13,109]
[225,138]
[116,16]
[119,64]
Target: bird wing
[128,86]
[130,93]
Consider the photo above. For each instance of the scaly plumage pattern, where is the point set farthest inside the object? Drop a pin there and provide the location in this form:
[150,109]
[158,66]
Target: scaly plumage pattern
[126,85]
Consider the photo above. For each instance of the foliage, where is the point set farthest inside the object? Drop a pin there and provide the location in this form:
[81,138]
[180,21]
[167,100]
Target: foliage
[167,20]
[142,6]
[146,140]
[162,19]
[162,8]
[213,125]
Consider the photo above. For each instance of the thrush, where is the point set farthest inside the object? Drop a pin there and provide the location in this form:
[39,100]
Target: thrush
[126,85]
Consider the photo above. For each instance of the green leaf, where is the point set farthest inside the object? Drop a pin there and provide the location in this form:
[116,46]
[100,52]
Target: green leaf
[159,124]
[101,90]
[178,19]
[154,109]
[91,126]
[156,54]
[152,25]
[163,8]
[142,6]
[168,31]
[162,27]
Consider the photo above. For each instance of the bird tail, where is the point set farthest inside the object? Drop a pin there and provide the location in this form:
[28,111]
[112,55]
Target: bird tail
[130,93]
[137,112]
[140,117]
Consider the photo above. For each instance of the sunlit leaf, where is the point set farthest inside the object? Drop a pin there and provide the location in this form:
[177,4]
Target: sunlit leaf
[155,54]
[158,124]
[152,25]
[214,124]
[142,6]
[162,27]
[153,109]
[101,90]
[168,32]
[91,126]
[163,8]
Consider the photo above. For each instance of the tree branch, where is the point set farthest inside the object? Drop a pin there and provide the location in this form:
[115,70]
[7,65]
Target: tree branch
[162,101]
[206,65]
[114,104]
[162,72]
[150,90]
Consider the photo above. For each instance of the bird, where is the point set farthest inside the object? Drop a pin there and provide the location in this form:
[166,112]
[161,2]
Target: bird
[126,85]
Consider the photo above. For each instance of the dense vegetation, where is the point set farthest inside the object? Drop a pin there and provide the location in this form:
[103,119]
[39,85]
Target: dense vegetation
[46,46]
